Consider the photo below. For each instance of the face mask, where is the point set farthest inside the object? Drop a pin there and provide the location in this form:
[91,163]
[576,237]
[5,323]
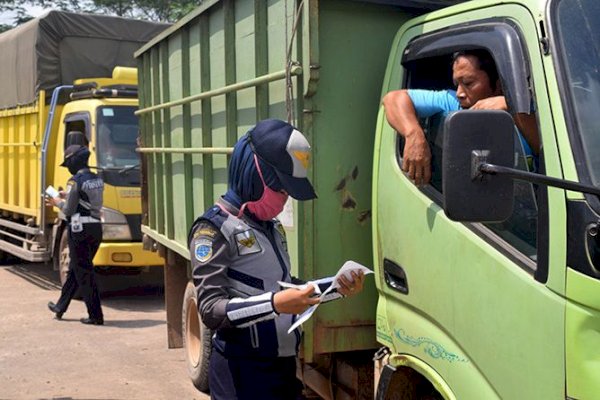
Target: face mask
[269,205]
[72,169]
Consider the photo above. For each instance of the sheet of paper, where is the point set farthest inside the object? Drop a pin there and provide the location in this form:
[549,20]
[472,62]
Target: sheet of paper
[51,191]
[345,270]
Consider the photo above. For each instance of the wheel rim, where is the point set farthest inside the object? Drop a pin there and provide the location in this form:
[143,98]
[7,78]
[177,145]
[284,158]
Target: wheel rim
[192,334]
[64,260]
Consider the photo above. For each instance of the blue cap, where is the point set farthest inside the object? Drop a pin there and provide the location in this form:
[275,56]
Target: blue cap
[285,149]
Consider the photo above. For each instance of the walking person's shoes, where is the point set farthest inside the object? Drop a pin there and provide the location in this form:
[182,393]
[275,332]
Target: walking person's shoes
[54,308]
[92,321]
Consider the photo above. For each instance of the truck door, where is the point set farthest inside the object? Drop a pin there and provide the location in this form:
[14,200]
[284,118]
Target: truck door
[472,300]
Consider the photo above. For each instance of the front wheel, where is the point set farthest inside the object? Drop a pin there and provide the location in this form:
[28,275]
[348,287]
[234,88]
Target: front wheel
[196,340]
[3,257]
[62,257]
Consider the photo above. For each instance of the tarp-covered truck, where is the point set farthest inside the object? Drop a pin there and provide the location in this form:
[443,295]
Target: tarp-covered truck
[461,308]
[68,78]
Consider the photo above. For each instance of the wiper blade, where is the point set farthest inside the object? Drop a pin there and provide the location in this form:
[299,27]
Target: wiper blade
[129,168]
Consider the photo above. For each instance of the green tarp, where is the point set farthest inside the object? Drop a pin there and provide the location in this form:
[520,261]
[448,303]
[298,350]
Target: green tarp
[59,47]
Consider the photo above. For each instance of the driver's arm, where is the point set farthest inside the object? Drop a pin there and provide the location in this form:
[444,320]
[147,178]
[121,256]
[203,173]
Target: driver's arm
[402,116]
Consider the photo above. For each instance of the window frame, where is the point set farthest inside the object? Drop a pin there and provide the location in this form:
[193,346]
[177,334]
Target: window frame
[78,116]
[573,130]
[501,37]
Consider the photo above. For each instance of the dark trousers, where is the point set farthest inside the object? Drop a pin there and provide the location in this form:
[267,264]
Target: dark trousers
[251,379]
[82,248]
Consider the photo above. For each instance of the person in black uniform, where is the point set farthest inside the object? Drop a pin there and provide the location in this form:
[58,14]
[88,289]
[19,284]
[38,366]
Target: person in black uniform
[239,253]
[81,207]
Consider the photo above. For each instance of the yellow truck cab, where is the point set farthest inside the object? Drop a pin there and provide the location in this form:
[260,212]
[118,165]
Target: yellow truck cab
[102,116]
[72,83]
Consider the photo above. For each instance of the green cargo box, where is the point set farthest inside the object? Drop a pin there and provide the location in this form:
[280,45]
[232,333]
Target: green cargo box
[212,76]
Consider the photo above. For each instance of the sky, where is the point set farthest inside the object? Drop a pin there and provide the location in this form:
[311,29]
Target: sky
[6,17]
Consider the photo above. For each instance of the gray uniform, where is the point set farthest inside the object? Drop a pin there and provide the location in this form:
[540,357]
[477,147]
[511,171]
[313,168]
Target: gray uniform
[237,263]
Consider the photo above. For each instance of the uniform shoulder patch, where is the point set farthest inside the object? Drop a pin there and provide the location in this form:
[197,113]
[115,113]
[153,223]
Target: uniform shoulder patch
[203,250]
[205,230]
[203,238]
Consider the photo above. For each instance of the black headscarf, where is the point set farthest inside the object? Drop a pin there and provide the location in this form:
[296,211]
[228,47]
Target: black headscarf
[244,182]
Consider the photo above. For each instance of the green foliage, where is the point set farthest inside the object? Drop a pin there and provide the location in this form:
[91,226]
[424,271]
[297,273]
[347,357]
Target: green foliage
[150,10]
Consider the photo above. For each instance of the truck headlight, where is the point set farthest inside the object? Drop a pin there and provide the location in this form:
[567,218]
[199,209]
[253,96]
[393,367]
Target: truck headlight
[114,225]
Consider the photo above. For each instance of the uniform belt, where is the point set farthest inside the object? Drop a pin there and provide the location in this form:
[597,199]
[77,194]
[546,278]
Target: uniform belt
[89,220]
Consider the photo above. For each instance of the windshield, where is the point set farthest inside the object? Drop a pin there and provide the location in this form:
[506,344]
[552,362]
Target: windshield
[577,27]
[117,132]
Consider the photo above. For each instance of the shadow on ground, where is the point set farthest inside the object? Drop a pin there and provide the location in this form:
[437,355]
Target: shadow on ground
[133,290]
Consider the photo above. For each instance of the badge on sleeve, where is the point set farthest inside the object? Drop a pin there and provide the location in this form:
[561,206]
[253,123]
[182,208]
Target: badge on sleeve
[203,250]
[247,243]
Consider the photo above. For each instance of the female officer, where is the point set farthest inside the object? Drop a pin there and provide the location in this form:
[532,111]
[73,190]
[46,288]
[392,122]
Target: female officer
[82,208]
[238,252]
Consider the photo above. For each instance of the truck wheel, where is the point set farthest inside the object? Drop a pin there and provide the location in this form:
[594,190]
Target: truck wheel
[196,340]
[62,257]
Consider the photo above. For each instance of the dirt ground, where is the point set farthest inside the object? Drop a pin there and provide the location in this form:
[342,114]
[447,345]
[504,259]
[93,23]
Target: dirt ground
[126,359]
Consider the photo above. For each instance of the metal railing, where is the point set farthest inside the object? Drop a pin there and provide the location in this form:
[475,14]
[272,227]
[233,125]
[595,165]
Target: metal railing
[275,76]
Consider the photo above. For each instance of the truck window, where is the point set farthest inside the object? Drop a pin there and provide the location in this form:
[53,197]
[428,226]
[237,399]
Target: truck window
[520,230]
[577,28]
[76,129]
[117,132]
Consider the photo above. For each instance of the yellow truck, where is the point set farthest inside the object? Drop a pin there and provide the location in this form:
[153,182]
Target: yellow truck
[68,78]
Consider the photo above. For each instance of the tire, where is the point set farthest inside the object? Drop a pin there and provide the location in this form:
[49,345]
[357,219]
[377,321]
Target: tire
[62,257]
[196,340]
[3,257]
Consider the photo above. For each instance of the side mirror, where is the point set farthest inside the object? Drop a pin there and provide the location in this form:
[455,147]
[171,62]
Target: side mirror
[469,136]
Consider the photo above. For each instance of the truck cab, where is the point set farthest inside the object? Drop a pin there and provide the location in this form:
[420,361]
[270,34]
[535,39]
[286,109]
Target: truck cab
[488,308]
[101,116]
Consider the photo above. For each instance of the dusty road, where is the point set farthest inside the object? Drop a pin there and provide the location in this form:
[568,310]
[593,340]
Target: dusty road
[126,359]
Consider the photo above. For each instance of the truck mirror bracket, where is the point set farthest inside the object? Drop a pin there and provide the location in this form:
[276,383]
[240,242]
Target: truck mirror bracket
[531,177]
[478,157]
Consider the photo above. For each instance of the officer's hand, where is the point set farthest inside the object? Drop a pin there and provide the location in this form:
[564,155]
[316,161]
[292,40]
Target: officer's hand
[416,161]
[62,194]
[294,301]
[52,201]
[351,287]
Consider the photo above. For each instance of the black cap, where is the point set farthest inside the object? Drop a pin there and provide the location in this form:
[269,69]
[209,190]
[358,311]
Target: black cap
[285,149]
[70,151]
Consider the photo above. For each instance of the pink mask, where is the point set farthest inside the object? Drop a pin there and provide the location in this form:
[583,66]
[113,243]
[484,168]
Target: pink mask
[269,205]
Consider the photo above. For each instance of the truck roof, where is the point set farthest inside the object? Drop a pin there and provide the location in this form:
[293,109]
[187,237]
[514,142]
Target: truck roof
[59,47]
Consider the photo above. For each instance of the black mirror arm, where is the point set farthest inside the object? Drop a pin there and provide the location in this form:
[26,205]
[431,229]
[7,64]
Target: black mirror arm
[540,179]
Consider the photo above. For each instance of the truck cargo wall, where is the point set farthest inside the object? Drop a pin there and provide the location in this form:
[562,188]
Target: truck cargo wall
[21,132]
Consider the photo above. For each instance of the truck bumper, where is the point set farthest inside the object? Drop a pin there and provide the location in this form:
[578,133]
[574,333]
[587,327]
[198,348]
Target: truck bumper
[126,255]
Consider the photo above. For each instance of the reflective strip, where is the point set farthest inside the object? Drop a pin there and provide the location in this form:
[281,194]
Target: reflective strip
[87,220]
[250,311]
[251,307]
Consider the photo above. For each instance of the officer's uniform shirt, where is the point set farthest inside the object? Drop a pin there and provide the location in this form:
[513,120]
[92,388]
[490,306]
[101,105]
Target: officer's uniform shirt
[84,195]
[236,265]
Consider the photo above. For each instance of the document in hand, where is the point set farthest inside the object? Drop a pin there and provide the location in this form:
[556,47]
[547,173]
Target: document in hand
[345,270]
[51,191]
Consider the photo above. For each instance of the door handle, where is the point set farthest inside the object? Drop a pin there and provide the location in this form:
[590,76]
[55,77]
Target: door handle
[394,276]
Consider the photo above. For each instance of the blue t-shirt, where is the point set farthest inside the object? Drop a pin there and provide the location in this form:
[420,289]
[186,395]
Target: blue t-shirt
[428,103]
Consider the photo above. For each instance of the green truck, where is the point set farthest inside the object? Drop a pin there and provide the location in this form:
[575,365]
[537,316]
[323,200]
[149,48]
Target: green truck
[460,307]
